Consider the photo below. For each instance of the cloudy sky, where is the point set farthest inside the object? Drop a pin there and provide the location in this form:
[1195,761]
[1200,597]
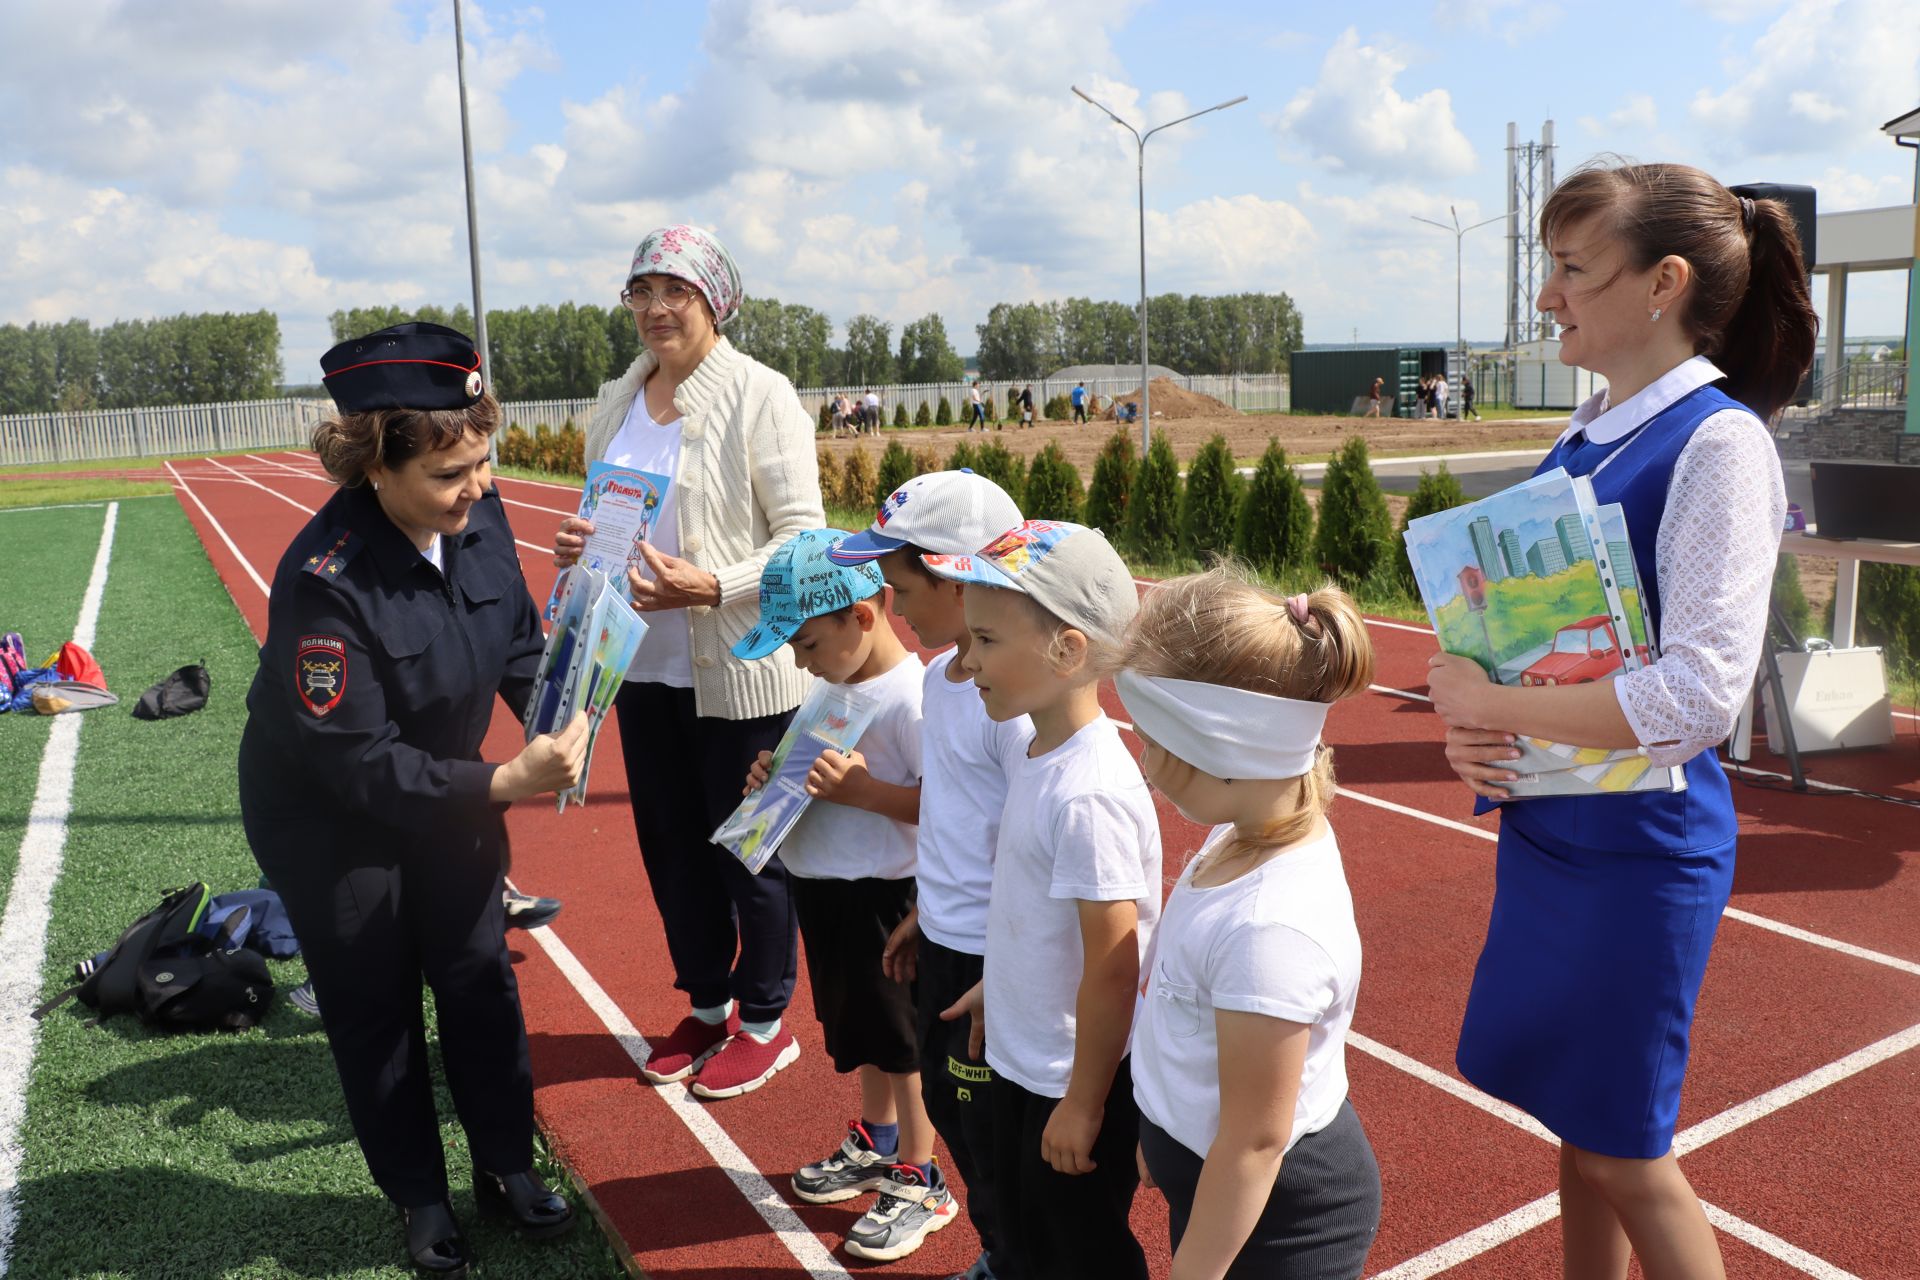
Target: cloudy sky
[891,156]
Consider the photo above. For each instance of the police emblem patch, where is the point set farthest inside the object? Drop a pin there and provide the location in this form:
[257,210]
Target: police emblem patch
[320,672]
[474,384]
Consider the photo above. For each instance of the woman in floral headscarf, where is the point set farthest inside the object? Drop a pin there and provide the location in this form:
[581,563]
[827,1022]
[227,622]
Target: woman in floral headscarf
[737,445]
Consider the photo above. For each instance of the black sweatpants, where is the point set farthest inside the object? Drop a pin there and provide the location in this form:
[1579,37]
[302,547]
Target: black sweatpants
[375,923]
[1320,1219]
[1059,1226]
[730,933]
[956,1087]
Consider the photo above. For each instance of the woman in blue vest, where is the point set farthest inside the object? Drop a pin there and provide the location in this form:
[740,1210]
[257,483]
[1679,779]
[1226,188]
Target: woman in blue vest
[1692,301]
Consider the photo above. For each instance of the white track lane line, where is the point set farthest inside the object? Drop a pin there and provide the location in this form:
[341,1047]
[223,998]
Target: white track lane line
[1695,1136]
[519,542]
[1471,1244]
[1772,1245]
[780,1218]
[307,473]
[1448,1085]
[23,929]
[220,529]
[726,1154]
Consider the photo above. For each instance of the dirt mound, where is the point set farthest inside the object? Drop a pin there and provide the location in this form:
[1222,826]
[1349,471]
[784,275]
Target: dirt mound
[1170,400]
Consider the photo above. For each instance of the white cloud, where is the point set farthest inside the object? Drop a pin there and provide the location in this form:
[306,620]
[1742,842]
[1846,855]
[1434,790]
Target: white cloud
[1841,188]
[1514,21]
[1824,75]
[1352,117]
[1736,11]
[1637,114]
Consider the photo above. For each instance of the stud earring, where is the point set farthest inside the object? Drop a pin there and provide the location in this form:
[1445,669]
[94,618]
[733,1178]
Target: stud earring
[376,483]
[1656,313]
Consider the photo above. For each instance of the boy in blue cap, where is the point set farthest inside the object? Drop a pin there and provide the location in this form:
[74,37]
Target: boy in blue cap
[850,860]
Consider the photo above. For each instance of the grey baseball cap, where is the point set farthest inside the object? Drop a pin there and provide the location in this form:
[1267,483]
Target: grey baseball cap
[1069,569]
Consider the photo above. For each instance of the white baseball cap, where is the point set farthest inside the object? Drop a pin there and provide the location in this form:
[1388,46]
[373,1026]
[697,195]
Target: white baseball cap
[945,512]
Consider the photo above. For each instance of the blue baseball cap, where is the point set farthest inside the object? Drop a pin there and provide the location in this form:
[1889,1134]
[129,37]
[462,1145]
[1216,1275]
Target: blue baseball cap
[800,582]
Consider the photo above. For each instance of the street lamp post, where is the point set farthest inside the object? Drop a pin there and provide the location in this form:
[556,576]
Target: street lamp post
[1146,409]
[1459,235]
[473,219]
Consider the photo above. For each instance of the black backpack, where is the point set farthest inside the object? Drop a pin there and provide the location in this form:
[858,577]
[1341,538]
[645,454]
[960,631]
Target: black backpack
[172,977]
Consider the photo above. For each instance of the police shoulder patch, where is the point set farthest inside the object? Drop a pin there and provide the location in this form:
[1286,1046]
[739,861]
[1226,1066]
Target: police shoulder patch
[329,558]
[320,672]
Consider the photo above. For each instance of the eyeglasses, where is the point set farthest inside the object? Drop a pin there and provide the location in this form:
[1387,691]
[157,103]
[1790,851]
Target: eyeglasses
[674,297]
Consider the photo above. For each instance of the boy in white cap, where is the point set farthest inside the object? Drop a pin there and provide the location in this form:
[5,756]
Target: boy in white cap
[1076,894]
[965,755]
[850,861]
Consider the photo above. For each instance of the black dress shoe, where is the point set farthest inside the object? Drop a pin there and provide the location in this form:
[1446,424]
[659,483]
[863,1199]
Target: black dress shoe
[525,1202]
[434,1240]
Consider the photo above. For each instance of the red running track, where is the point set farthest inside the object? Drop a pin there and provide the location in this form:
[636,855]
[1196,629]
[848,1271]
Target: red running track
[1800,1123]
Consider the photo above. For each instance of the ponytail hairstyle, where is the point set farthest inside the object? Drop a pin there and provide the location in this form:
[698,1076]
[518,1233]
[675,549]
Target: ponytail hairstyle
[1218,627]
[1748,309]
[348,444]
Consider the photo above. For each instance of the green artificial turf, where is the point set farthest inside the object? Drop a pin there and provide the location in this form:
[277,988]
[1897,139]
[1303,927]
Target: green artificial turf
[210,1155]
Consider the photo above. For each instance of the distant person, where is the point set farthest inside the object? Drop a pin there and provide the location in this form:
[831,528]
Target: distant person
[1079,401]
[1026,406]
[839,413]
[1466,399]
[1373,398]
[976,408]
[1440,395]
[873,412]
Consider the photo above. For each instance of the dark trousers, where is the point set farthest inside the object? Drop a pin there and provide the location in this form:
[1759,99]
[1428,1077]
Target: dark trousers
[1059,1226]
[373,924]
[1080,413]
[955,1087]
[980,415]
[730,933]
[1321,1217]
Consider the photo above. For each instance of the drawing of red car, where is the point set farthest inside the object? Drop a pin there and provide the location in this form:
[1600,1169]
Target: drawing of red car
[1582,652]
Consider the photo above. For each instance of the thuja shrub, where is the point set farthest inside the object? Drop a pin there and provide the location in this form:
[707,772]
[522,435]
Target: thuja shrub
[1211,502]
[1275,531]
[1355,533]
[1005,469]
[1153,508]
[1053,486]
[1437,491]
[896,468]
[1112,484]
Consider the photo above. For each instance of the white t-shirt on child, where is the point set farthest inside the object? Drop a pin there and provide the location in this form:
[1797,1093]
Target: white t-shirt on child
[839,842]
[1079,826]
[1278,941]
[966,756]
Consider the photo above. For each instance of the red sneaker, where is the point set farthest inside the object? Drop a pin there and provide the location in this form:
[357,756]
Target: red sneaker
[744,1064]
[690,1044]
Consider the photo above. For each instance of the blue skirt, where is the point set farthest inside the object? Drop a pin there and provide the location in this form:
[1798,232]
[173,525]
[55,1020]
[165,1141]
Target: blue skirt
[1582,1002]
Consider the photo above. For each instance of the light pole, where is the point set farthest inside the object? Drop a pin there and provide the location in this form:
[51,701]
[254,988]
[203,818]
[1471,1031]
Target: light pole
[1146,410]
[1459,235]
[473,221]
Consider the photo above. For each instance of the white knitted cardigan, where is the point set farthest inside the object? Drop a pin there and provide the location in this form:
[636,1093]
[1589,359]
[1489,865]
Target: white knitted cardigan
[748,480]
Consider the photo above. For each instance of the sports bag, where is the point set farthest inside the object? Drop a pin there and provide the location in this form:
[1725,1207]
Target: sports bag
[171,976]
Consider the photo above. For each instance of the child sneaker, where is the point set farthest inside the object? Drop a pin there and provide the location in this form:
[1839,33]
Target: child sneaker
[690,1044]
[909,1210]
[743,1064]
[854,1168]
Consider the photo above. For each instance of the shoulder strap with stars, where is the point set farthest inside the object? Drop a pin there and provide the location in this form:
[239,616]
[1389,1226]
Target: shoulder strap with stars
[329,562]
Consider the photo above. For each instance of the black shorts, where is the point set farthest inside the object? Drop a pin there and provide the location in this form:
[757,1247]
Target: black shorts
[844,925]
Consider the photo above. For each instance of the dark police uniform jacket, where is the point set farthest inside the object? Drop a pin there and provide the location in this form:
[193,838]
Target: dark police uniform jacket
[377,680]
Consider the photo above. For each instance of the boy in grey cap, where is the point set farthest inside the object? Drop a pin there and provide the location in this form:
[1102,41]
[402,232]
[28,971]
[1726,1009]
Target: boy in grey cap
[1076,893]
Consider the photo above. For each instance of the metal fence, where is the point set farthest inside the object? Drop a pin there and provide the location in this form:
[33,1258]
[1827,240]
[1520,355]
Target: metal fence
[155,432]
[98,434]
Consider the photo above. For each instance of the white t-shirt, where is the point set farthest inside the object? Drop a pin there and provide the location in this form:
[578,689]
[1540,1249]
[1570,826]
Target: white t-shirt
[666,651]
[1278,941]
[966,756]
[1078,826]
[839,842]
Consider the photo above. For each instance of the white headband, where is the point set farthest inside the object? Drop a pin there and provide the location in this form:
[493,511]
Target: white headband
[1229,733]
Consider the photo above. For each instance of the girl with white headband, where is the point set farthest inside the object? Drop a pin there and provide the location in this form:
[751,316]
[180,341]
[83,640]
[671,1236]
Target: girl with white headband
[1239,1066]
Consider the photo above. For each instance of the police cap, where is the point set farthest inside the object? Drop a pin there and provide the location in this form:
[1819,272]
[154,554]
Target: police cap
[408,366]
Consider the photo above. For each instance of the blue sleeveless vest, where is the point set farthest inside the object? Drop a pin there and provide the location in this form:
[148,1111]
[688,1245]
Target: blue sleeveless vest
[1635,471]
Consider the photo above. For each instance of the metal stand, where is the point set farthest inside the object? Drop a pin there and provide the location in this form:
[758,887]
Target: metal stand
[1770,672]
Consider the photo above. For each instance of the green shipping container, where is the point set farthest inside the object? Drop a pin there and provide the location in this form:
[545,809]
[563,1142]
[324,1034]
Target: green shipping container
[1333,380]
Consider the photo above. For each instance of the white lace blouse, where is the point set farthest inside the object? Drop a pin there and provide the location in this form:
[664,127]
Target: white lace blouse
[1715,553]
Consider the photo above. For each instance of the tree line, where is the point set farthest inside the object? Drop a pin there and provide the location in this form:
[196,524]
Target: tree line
[1191,333]
[185,359]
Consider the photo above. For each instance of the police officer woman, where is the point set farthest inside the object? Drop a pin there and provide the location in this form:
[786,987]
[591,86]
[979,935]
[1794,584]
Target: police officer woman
[397,614]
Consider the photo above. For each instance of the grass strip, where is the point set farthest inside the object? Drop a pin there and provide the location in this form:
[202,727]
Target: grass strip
[47,493]
[202,1155]
[41,583]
